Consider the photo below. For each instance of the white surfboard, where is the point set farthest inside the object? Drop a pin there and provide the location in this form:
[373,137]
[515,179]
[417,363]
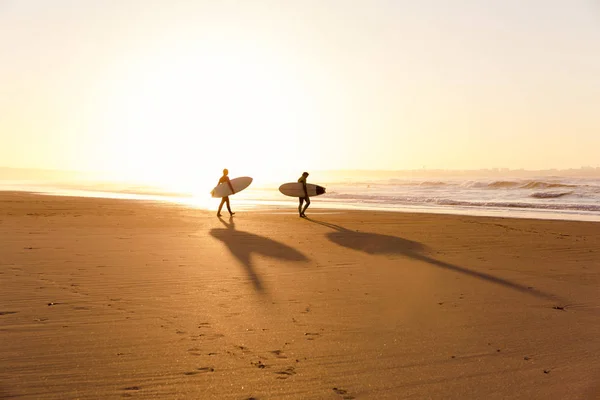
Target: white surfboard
[239,184]
[295,189]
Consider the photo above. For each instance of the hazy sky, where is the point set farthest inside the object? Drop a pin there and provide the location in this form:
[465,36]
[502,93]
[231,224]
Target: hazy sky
[154,88]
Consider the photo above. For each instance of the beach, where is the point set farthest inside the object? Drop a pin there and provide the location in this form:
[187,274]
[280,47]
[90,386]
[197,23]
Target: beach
[106,298]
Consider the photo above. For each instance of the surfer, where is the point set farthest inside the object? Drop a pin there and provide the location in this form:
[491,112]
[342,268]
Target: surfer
[225,199]
[306,199]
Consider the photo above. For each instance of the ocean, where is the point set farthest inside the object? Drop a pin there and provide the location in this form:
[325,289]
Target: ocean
[542,197]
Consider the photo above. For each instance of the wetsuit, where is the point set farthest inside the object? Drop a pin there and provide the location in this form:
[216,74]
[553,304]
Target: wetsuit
[306,199]
[225,200]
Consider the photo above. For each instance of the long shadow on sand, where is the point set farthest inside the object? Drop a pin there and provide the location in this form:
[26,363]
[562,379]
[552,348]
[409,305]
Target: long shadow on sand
[243,244]
[375,243]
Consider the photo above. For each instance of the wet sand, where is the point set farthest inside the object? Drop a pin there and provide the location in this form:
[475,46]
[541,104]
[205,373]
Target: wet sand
[103,299]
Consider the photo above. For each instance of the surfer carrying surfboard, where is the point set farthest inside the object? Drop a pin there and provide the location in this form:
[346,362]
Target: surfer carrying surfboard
[225,199]
[306,199]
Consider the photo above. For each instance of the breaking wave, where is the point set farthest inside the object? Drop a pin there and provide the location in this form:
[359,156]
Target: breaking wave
[549,195]
[503,184]
[546,185]
[415,200]
[478,184]
[528,185]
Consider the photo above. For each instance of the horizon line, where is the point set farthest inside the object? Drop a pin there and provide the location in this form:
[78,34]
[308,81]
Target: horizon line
[424,169]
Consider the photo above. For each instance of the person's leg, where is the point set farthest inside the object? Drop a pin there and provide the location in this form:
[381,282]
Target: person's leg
[221,206]
[300,200]
[228,206]
[306,206]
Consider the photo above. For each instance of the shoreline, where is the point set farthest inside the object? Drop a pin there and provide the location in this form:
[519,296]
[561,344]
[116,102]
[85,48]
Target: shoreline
[253,205]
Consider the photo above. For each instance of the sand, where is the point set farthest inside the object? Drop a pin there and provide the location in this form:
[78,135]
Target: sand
[103,299]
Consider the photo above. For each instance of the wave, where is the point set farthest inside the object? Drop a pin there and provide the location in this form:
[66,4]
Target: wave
[549,195]
[434,183]
[403,182]
[413,200]
[502,184]
[555,207]
[505,184]
[523,185]
[546,185]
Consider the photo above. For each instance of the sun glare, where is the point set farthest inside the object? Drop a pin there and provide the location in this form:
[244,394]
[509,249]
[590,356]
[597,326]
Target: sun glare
[177,120]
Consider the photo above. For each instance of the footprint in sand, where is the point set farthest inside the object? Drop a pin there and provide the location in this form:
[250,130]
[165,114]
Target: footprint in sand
[191,373]
[343,393]
[286,373]
[278,353]
[244,349]
[204,336]
[200,371]
[194,351]
[259,364]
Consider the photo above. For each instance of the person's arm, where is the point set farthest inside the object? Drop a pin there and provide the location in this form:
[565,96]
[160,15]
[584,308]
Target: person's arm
[230,186]
[305,188]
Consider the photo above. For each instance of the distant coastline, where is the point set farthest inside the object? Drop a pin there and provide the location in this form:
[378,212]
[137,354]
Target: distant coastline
[15,173]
